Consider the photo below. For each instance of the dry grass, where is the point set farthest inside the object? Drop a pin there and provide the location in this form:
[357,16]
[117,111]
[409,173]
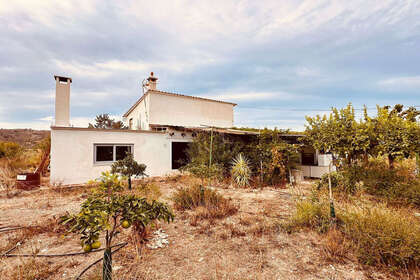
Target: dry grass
[209,203]
[246,244]
[375,234]
[150,190]
[33,269]
[383,236]
[335,247]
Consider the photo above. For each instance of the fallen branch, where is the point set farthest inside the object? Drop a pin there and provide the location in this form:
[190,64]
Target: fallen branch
[60,255]
[98,261]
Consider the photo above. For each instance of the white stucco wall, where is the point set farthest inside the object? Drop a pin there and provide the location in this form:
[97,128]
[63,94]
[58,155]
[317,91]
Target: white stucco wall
[140,115]
[186,111]
[72,152]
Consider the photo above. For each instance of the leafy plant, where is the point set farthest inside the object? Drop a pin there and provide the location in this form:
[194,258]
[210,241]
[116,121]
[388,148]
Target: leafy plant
[273,157]
[397,137]
[340,134]
[224,148]
[203,171]
[109,211]
[241,172]
[393,133]
[128,167]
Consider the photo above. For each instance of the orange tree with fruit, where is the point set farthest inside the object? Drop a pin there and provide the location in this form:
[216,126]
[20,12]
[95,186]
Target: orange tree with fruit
[108,211]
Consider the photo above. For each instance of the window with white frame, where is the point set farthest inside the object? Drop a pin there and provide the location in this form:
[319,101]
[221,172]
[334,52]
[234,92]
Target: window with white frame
[108,153]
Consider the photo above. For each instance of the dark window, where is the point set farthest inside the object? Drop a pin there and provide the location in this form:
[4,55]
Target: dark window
[104,153]
[111,152]
[308,158]
[179,154]
[121,151]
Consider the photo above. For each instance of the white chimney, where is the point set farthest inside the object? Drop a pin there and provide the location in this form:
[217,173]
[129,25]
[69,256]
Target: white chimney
[62,101]
[152,81]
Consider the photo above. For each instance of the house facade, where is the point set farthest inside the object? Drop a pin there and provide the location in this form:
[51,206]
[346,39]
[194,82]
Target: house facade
[161,124]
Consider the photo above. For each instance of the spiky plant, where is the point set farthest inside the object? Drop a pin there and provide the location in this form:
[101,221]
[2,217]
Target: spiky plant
[241,172]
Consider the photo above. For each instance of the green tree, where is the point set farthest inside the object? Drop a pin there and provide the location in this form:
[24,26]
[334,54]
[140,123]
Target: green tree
[224,148]
[272,156]
[128,167]
[104,121]
[398,133]
[340,134]
[109,211]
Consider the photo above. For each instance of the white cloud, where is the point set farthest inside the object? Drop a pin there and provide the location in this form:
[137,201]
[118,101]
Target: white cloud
[47,12]
[401,82]
[254,96]
[33,125]
[308,72]
[108,68]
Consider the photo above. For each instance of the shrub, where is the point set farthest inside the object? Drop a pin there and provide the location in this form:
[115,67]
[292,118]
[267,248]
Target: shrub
[309,214]
[383,236]
[398,185]
[149,190]
[128,167]
[203,171]
[198,196]
[377,235]
[10,149]
[346,180]
[109,211]
[336,180]
[241,172]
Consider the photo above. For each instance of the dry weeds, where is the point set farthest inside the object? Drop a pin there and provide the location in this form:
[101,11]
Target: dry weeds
[247,244]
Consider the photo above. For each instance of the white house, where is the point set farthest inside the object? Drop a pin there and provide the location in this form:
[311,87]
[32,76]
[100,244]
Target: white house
[160,126]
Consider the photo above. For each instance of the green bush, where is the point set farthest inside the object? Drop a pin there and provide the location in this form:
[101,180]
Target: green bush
[309,214]
[398,185]
[336,180]
[224,148]
[203,171]
[10,149]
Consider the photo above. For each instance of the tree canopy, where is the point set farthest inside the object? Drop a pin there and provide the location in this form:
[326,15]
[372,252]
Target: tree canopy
[106,122]
[128,167]
[394,133]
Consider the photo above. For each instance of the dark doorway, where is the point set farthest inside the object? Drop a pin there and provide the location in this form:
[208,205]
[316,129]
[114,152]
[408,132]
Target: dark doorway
[308,156]
[179,154]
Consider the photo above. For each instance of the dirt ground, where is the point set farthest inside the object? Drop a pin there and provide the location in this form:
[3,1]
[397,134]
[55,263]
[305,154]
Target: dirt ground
[247,245]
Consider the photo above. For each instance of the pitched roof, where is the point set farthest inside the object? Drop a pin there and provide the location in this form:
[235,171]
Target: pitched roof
[172,94]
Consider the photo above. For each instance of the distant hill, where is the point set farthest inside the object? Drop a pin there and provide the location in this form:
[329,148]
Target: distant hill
[25,137]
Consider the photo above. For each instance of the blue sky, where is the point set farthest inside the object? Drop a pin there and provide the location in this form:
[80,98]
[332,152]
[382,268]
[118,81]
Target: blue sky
[279,60]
